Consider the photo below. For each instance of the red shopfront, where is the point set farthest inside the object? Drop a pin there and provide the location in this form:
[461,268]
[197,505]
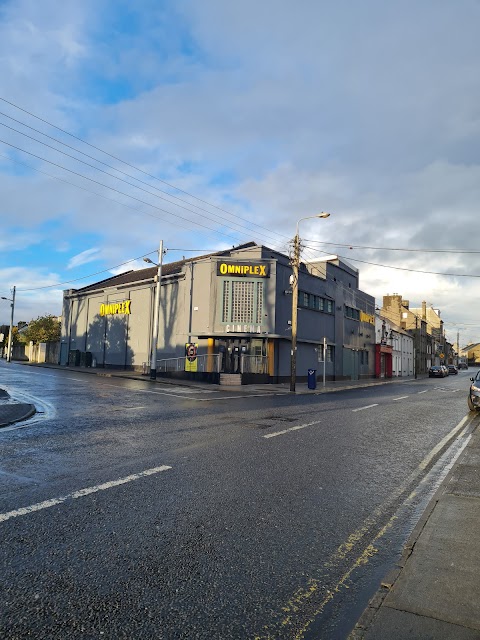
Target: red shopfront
[383,361]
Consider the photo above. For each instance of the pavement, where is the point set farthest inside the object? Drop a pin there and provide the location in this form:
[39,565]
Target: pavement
[433,592]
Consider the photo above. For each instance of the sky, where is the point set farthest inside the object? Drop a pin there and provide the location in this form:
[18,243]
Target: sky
[209,124]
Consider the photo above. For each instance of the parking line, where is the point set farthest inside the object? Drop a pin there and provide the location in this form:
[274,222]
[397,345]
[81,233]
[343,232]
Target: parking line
[46,504]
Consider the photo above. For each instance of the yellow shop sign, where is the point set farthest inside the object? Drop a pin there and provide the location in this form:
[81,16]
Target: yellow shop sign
[116,308]
[257,270]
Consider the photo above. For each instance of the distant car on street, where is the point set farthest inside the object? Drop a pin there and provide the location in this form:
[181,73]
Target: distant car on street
[437,372]
[452,369]
[473,399]
[462,365]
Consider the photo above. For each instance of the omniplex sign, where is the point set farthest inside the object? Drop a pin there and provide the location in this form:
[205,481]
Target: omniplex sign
[116,307]
[256,269]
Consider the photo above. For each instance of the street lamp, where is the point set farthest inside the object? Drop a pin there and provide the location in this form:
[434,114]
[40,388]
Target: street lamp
[295,268]
[156,312]
[10,341]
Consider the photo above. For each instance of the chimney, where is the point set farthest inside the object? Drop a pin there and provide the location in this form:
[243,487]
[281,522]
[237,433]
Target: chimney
[424,310]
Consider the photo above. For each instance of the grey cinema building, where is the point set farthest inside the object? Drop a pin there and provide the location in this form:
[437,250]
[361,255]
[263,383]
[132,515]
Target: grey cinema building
[230,312]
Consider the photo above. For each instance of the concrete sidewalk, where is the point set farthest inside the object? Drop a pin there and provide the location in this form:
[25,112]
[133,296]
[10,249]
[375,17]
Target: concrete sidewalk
[12,412]
[251,389]
[434,591]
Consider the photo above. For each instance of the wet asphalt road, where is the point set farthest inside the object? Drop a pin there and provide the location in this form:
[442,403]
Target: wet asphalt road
[230,534]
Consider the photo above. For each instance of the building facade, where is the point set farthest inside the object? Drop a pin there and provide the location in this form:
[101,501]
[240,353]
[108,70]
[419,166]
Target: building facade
[233,308]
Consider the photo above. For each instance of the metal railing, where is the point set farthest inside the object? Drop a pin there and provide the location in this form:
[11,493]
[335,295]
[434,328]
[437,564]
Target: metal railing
[211,362]
[253,364]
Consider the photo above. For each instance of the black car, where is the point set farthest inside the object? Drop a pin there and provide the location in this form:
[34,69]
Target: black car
[474,393]
[462,365]
[437,372]
[452,369]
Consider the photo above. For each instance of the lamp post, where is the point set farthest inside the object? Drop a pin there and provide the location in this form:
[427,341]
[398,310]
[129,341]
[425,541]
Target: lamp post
[295,268]
[156,313]
[10,340]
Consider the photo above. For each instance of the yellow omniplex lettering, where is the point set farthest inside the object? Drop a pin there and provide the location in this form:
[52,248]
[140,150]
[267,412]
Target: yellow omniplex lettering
[102,309]
[238,269]
[223,268]
[263,269]
[256,270]
[127,306]
[117,307]
[231,268]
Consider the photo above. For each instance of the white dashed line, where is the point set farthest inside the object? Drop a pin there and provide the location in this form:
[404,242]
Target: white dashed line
[401,398]
[423,391]
[369,406]
[297,428]
[46,504]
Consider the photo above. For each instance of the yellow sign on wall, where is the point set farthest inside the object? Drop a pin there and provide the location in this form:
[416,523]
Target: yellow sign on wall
[122,308]
[366,317]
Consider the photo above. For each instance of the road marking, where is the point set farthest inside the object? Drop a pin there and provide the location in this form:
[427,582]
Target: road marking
[423,391]
[306,594]
[401,398]
[297,428]
[369,406]
[46,504]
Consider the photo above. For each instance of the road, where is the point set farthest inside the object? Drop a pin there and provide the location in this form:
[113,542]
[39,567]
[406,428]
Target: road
[137,510]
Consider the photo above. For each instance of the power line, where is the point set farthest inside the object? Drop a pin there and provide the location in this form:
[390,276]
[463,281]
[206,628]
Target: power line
[388,266]
[68,155]
[120,192]
[119,160]
[358,246]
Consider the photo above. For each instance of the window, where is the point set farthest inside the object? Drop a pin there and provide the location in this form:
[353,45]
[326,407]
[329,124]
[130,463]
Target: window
[243,302]
[259,315]
[350,312]
[316,303]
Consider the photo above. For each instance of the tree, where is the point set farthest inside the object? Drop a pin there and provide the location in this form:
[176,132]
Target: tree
[43,329]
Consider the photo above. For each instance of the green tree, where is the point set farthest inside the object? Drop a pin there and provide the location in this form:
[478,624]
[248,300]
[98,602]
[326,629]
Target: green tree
[43,329]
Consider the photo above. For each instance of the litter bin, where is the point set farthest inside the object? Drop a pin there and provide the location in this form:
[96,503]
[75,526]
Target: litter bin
[312,378]
[74,358]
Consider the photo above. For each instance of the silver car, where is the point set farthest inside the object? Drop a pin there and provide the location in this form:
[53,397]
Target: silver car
[474,393]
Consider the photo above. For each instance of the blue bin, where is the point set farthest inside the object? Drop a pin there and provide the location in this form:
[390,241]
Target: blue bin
[312,378]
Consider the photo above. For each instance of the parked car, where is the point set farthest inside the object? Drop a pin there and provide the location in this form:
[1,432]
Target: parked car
[437,372]
[462,365]
[473,399]
[452,369]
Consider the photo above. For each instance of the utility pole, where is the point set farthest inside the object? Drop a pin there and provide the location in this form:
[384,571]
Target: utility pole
[458,346]
[10,336]
[294,282]
[295,268]
[156,313]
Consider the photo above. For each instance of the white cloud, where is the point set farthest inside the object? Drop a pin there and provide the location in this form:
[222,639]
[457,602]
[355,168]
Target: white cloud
[89,255]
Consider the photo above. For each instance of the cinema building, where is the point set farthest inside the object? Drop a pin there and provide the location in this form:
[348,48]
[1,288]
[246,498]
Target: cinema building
[226,314]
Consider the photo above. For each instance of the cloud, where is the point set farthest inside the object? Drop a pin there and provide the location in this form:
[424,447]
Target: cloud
[89,255]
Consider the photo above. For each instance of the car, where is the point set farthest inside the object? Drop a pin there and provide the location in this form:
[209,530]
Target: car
[452,369]
[437,372]
[462,365]
[473,399]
